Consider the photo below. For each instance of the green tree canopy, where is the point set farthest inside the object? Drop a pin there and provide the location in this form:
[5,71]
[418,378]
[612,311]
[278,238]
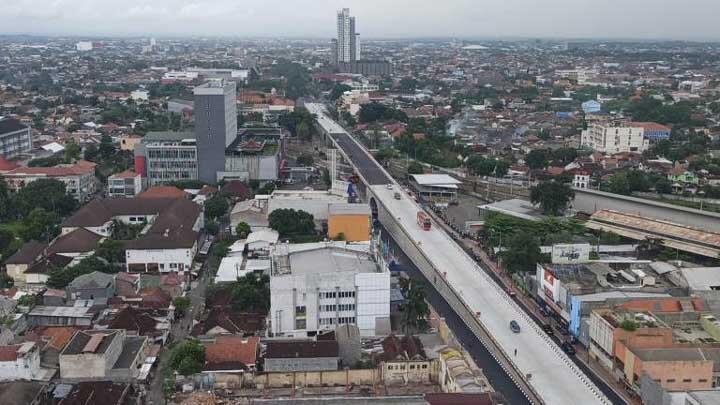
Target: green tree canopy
[415,168]
[305,159]
[48,194]
[415,309]
[537,159]
[111,250]
[40,225]
[290,223]
[242,230]
[338,90]
[374,112]
[553,197]
[251,293]
[188,358]
[522,253]
[216,207]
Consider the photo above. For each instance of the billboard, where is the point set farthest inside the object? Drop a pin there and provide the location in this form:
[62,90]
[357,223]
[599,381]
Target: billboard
[571,253]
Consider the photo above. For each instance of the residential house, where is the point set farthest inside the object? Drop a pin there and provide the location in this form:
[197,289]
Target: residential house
[231,354]
[403,360]
[682,176]
[60,316]
[19,362]
[103,354]
[168,244]
[51,340]
[100,392]
[224,321]
[92,286]
[299,356]
[127,284]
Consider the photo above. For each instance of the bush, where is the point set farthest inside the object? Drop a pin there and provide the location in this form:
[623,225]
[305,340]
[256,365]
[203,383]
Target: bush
[188,358]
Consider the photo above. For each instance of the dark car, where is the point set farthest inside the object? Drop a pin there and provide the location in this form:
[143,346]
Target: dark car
[514,326]
[547,328]
[562,330]
[568,348]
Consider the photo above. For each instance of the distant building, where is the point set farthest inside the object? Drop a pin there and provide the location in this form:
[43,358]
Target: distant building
[79,178]
[615,138]
[653,130]
[164,157]
[84,46]
[128,142]
[256,154]
[125,184]
[348,40]
[15,138]
[581,179]
[215,126]
[591,107]
[318,286]
[366,67]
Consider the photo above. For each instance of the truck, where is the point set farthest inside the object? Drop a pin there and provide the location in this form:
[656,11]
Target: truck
[423,220]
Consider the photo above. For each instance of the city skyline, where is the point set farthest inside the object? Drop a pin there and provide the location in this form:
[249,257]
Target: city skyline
[641,19]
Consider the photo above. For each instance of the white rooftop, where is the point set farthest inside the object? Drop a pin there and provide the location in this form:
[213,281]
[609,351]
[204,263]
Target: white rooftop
[702,278]
[230,269]
[436,180]
[265,235]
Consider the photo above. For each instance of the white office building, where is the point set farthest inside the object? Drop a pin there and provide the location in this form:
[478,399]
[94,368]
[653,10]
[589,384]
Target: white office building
[615,138]
[318,286]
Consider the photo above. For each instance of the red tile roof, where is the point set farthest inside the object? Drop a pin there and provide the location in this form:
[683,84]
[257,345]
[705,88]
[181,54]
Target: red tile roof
[162,192]
[6,165]
[9,353]
[232,350]
[80,167]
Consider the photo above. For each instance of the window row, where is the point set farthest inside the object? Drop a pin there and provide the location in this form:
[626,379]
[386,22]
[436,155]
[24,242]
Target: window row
[337,294]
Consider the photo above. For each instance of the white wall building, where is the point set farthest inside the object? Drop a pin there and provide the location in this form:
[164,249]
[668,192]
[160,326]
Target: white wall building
[84,46]
[317,286]
[19,362]
[613,139]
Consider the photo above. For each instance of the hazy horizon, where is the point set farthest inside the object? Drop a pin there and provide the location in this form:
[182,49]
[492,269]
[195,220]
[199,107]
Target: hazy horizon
[397,19]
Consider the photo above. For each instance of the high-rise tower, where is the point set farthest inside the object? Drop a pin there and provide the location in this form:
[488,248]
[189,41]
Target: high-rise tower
[215,126]
[348,40]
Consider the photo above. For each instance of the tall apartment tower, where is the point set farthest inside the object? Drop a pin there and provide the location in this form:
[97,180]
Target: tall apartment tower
[215,126]
[348,41]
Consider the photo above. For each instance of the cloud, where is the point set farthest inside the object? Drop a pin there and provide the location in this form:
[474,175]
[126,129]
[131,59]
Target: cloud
[376,18]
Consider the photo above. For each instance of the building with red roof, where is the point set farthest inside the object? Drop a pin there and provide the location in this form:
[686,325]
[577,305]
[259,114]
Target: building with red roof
[79,178]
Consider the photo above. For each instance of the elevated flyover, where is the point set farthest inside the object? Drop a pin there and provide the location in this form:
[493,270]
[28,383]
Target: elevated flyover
[529,358]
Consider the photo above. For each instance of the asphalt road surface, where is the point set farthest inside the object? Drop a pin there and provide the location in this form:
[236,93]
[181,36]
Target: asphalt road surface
[366,165]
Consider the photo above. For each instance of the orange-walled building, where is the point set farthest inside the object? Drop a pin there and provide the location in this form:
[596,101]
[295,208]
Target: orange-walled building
[350,220]
[675,368]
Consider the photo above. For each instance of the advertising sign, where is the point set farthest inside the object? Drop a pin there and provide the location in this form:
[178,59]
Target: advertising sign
[571,253]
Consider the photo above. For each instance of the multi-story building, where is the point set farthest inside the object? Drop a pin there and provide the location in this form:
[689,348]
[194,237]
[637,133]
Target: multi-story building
[256,154]
[653,130]
[164,157]
[215,126]
[125,184]
[318,286]
[15,138]
[348,41]
[103,354]
[615,138]
[79,178]
[20,362]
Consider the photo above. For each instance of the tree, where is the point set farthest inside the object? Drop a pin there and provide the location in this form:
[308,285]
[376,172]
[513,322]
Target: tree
[290,223]
[537,159]
[663,186]
[40,225]
[188,358]
[72,152]
[91,153]
[60,278]
[216,207]
[182,304]
[242,230]
[106,148]
[649,247]
[338,90]
[628,325]
[27,300]
[619,184]
[48,194]
[552,196]
[303,131]
[522,253]
[251,293]
[111,250]
[305,159]
[408,84]
[6,205]
[415,309]
[6,281]
[415,168]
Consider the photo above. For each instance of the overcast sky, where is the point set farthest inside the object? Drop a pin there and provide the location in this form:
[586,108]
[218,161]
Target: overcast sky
[645,19]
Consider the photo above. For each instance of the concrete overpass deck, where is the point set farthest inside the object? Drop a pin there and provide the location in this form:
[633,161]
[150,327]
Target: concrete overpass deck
[548,371]
[553,375]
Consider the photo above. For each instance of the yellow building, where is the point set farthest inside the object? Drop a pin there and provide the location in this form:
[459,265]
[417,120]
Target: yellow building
[128,142]
[350,222]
